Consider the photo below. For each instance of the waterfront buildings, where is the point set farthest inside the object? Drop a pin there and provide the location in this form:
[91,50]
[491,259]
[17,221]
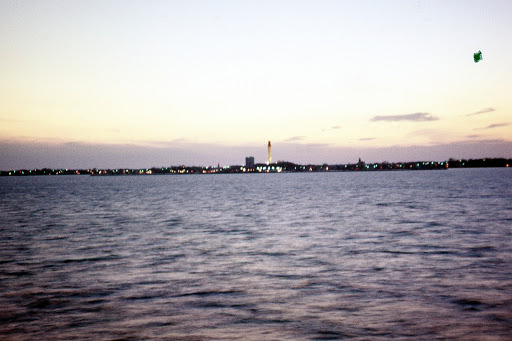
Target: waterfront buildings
[249,162]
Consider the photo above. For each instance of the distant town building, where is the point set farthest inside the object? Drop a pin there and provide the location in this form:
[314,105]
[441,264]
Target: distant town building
[249,162]
[361,164]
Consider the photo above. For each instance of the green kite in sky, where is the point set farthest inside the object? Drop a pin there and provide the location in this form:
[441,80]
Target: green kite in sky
[477,56]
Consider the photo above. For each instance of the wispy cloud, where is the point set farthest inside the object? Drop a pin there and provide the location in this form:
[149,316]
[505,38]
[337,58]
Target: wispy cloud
[315,145]
[416,117]
[472,136]
[295,138]
[367,139]
[483,111]
[332,128]
[495,125]
[6,119]
[159,144]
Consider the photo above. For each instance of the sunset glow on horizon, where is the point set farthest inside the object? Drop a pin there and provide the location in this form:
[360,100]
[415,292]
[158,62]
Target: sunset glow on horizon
[192,80]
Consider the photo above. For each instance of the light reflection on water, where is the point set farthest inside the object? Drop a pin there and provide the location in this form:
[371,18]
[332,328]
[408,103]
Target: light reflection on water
[363,256]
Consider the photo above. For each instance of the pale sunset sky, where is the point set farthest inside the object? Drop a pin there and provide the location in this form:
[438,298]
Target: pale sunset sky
[161,83]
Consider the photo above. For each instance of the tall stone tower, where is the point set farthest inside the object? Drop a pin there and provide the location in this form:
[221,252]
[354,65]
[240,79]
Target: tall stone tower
[269,153]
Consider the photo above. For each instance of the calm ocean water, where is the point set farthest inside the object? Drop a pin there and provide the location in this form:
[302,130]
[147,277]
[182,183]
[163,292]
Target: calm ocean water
[416,255]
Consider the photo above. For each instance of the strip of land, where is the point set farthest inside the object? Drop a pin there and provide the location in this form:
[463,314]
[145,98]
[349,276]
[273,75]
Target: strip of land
[278,167]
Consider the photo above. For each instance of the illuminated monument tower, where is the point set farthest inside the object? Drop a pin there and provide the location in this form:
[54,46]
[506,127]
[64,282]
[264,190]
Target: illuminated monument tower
[269,153]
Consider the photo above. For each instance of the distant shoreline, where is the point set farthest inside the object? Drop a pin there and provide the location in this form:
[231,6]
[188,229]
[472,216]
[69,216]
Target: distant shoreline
[279,167]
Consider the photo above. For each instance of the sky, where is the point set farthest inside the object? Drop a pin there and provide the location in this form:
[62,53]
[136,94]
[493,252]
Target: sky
[159,83]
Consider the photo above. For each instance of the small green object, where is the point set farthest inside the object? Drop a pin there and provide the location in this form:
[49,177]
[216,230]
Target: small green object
[477,56]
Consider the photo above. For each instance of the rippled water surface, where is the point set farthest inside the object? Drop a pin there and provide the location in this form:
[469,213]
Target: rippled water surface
[420,255]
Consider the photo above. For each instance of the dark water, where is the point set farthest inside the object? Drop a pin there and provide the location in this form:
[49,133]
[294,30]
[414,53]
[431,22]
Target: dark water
[420,255]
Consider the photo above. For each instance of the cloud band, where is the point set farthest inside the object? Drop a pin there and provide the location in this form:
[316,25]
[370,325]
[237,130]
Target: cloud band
[416,117]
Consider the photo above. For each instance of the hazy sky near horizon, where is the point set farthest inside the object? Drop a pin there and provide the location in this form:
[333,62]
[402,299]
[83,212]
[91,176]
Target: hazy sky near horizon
[205,77]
